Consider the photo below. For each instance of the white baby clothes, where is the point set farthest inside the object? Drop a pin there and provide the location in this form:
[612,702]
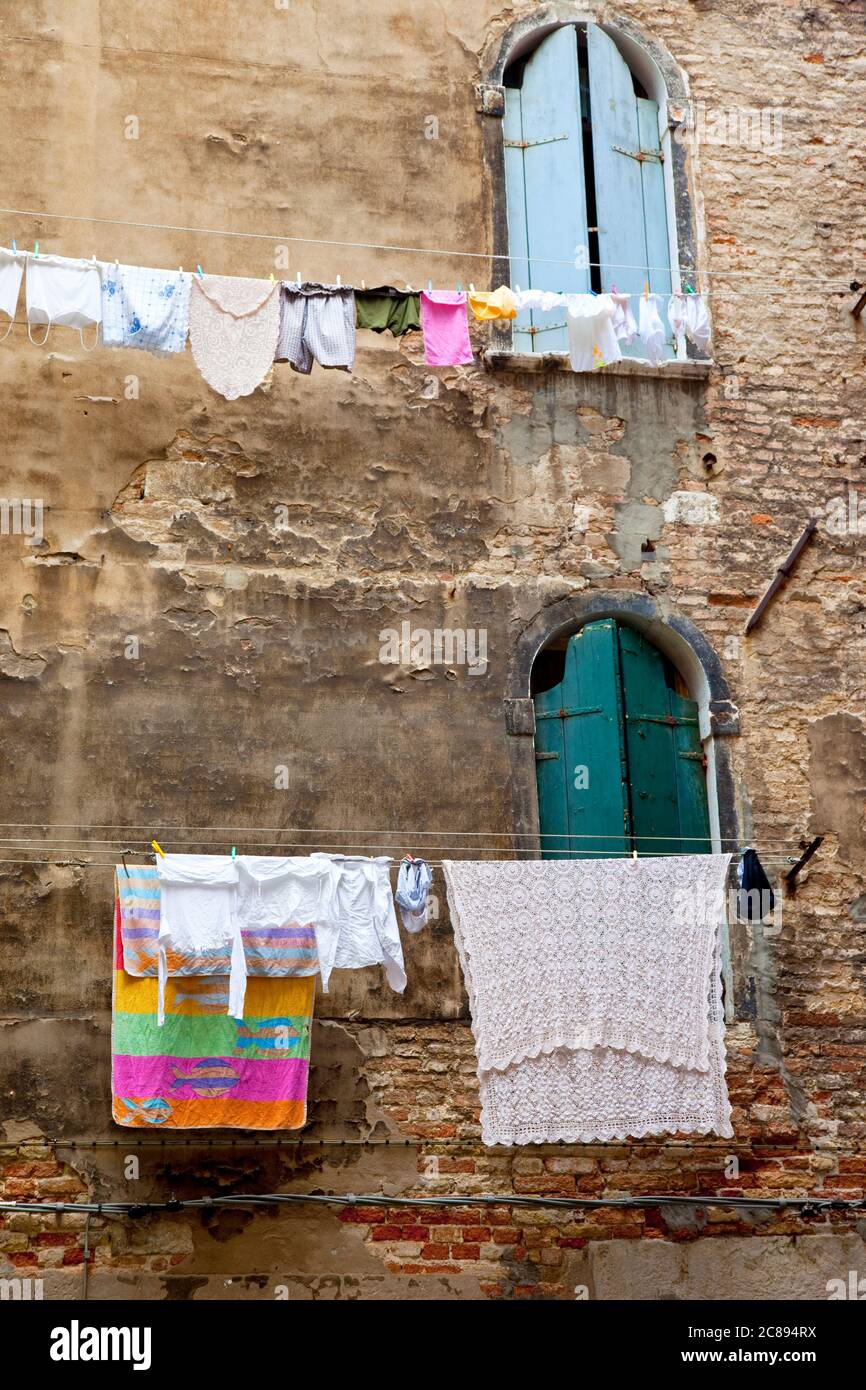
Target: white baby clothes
[545,300]
[198,916]
[362,928]
[651,328]
[677,314]
[277,899]
[624,325]
[11,272]
[592,342]
[145,308]
[62,291]
[697,321]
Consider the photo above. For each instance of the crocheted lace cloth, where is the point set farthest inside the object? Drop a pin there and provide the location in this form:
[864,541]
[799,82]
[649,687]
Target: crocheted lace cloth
[595,999]
[233,329]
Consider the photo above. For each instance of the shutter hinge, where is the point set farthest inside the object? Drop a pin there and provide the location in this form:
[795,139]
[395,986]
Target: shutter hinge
[527,144]
[640,155]
[545,757]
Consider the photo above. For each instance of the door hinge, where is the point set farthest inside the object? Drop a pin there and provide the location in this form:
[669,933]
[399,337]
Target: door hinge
[527,144]
[640,155]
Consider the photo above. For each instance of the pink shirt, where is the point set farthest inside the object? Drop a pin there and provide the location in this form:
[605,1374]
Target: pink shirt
[445,325]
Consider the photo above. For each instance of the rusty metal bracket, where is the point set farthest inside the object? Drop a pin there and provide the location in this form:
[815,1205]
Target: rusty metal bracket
[781,574]
[791,875]
[861,302]
[527,144]
[640,155]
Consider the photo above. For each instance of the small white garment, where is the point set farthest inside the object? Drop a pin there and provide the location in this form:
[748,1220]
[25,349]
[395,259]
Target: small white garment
[62,291]
[697,321]
[284,892]
[592,342]
[545,300]
[651,328]
[362,928]
[11,272]
[677,314]
[624,325]
[198,914]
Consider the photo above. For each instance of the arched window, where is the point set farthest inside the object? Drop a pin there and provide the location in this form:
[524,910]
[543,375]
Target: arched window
[618,749]
[585,176]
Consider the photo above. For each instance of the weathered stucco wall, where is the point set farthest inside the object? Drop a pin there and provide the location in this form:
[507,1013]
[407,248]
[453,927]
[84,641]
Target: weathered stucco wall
[256,549]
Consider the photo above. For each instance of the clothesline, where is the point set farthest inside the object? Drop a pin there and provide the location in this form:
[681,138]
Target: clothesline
[399,833]
[685,271]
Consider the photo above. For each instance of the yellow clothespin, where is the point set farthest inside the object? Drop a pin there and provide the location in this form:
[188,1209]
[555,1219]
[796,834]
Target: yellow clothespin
[159,851]
[180,268]
[646,289]
[272,277]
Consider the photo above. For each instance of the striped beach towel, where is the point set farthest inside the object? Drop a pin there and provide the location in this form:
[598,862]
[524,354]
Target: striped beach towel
[203,1069]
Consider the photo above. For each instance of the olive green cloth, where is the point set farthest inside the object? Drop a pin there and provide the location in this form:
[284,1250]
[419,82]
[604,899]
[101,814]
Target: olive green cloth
[387,308]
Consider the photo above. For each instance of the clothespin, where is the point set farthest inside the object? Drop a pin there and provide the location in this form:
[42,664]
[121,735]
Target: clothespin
[689,289]
[459,287]
[408,288]
[517,289]
[298,277]
[612,287]
[646,289]
[634,854]
[429,286]
[200,272]
[123,854]
[272,277]
[14,247]
[363,284]
[180,268]
[159,851]
[471,287]
[36,249]
[234,851]
[339,282]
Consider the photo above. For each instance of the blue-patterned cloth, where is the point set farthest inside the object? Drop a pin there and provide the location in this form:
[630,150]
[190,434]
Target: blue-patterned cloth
[145,308]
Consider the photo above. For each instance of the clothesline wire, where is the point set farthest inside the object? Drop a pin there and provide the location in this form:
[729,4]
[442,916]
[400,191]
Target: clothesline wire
[684,270]
[153,828]
[68,858]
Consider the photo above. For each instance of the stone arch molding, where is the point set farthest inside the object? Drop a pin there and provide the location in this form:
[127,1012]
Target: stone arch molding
[652,61]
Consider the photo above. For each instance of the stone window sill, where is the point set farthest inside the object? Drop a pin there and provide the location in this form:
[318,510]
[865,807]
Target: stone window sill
[498,361]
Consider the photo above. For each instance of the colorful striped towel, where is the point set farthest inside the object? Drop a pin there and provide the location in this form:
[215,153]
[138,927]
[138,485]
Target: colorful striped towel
[288,949]
[202,1069]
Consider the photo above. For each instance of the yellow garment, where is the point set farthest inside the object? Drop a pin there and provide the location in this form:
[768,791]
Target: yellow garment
[493,304]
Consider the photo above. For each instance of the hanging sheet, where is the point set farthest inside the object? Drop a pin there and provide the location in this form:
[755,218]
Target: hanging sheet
[594,989]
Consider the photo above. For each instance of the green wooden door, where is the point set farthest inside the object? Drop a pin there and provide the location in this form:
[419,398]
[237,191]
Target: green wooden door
[618,753]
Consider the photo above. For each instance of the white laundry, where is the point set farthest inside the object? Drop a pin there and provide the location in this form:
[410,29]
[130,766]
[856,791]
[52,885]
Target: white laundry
[677,314]
[594,989]
[697,321]
[362,927]
[413,886]
[543,300]
[62,291]
[11,272]
[651,328]
[198,916]
[624,325]
[592,342]
[273,892]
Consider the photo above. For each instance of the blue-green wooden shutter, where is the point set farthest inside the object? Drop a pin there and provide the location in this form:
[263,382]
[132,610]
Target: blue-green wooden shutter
[665,758]
[550,219]
[630,193]
[614,715]
[580,751]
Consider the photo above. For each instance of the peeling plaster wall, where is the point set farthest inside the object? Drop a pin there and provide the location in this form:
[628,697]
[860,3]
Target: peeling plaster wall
[256,550]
